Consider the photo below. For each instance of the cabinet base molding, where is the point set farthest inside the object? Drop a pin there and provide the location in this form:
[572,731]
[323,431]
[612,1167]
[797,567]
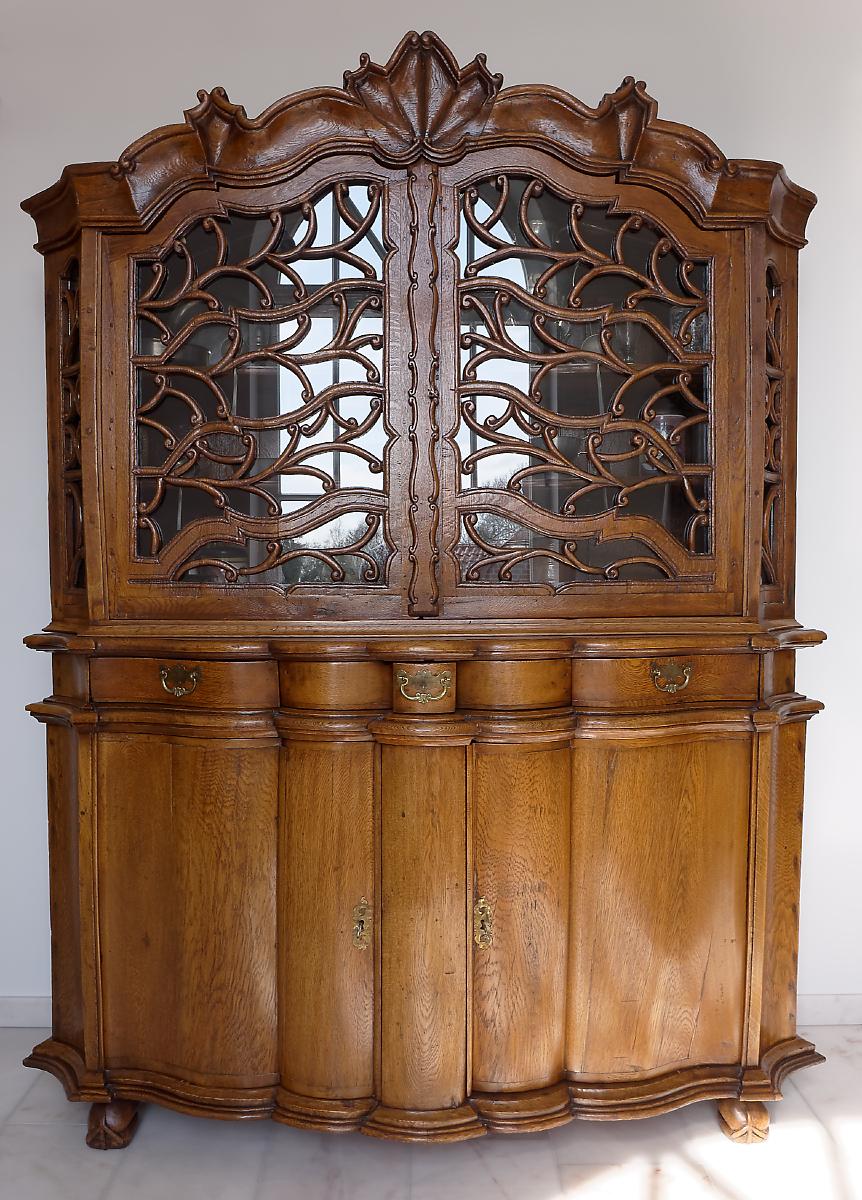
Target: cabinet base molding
[524,1112]
[66,1064]
[739,1093]
[310,1112]
[112,1126]
[435,1125]
[744,1121]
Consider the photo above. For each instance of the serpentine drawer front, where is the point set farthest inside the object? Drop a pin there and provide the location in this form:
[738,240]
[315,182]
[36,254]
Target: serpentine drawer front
[681,680]
[424,754]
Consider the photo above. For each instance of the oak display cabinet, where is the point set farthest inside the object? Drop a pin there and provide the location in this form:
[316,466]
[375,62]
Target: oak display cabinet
[424,756]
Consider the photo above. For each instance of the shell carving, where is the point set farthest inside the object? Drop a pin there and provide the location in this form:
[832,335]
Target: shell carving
[421,101]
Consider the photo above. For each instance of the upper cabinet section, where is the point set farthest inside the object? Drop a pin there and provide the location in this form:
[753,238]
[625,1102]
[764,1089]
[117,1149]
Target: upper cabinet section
[422,347]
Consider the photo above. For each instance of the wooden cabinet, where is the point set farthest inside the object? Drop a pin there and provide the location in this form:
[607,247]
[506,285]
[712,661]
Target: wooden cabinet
[424,754]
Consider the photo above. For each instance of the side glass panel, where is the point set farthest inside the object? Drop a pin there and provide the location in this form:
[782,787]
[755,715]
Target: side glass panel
[583,437]
[261,441]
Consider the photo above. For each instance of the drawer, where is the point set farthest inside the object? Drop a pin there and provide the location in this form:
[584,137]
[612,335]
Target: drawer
[680,681]
[185,682]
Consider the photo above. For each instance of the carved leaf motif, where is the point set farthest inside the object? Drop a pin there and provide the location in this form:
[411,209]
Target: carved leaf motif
[421,100]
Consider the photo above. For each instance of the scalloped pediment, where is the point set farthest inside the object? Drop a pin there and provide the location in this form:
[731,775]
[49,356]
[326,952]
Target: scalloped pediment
[421,103]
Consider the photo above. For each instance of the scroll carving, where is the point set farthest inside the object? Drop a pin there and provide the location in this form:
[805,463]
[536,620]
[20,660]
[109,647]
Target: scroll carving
[423,399]
[260,427]
[70,419]
[583,445]
[772,466]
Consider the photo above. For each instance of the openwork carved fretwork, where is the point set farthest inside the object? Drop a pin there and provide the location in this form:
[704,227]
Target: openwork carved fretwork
[772,466]
[70,418]
[583,444]
[261,433]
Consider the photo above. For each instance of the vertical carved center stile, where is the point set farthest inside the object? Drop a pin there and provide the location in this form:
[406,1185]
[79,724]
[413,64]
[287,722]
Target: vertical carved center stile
[423,360]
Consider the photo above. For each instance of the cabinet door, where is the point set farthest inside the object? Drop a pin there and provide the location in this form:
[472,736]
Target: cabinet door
[187,904]
[262,470]
[659,882]
[588,457]
[521,870]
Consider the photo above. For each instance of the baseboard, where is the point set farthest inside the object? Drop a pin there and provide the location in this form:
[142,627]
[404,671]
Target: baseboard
[843,1009]
[25,1012]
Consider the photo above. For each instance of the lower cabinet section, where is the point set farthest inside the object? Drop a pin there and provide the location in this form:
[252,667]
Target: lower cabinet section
[368,910]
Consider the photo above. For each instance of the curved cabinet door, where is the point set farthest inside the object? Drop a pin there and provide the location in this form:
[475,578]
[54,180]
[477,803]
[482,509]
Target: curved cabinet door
[659,884]
[327,923]
[521,800]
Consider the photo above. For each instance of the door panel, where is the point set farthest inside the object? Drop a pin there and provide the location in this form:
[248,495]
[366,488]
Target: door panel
[521,863]
[261,354]
[327,960]
[587,446]
[423,1035]
[659,879]
[187,877]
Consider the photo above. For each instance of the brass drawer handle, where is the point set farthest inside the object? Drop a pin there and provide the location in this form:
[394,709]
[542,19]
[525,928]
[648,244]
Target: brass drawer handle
[362,924]
[422,682]
[179,680]
[670,677]
[483,923]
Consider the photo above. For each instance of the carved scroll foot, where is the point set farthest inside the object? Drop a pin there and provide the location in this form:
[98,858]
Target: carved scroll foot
[112,1126]
[743,1121]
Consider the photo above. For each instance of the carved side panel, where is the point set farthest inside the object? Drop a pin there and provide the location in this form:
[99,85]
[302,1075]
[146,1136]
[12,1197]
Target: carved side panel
[69,348]
[773,463]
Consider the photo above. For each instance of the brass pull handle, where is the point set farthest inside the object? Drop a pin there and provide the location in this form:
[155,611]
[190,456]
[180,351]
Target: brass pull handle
[483,923]
[422,682]
[362,924]
[670,677]
[179,680]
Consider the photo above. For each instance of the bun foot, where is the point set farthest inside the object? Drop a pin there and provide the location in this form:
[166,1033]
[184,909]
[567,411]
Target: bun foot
[743,1121]
[112,1126]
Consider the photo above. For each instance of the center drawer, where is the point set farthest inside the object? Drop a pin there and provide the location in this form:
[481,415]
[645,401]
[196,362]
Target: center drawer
[678,681]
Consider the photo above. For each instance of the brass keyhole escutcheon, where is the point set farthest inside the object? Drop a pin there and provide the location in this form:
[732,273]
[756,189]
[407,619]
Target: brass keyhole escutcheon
[179,680]
[670,677]
[362,925]
[427,686]
[483,923]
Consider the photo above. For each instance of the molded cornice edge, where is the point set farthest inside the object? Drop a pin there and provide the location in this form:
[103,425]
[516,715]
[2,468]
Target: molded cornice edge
[421,104]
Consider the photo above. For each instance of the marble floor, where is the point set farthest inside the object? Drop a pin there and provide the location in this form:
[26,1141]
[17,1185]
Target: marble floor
[814,1151]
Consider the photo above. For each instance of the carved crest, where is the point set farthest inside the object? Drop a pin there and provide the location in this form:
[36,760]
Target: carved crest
[422,104]
[422,101]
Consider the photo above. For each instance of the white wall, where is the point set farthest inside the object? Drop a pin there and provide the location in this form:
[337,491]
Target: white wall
[771,79]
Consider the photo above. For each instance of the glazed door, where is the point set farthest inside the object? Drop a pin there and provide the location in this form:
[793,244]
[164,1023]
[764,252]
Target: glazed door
[264,471]
[500,388]
[587,452]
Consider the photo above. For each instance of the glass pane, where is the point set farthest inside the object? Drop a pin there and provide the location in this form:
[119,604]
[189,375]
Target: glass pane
[260,393]
[584,383]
